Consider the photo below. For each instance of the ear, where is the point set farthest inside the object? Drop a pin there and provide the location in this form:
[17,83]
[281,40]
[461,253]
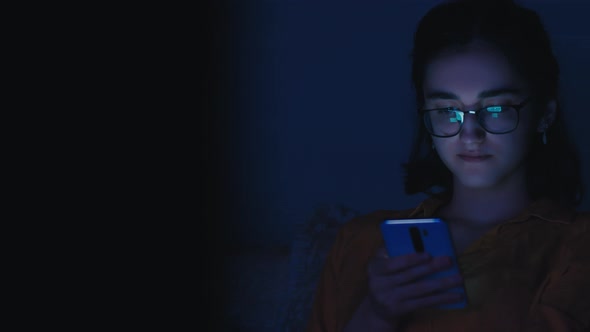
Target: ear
[549,116]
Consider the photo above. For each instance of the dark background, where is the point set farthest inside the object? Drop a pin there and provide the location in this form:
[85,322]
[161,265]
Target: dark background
[318,106]
[312,104]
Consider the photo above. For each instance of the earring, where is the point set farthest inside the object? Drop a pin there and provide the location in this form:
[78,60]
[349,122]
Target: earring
[545,137]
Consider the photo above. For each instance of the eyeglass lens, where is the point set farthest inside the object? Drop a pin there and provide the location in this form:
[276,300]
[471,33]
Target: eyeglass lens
[494,119]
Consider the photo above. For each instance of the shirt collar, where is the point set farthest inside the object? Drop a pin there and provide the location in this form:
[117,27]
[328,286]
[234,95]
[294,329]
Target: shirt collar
[550,210]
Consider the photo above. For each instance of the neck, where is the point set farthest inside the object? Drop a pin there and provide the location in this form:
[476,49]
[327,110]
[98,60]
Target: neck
[484,207]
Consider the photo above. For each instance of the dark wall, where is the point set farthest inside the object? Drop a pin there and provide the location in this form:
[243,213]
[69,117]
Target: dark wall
[322,100]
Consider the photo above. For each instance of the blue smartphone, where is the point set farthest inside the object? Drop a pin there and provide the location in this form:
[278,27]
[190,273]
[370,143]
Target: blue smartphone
[432,235]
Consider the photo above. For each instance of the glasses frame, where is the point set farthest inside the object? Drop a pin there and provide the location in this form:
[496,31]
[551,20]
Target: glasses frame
[475,112]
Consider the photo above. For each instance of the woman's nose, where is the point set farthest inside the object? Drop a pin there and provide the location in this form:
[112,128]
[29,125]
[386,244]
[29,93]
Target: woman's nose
[471,130]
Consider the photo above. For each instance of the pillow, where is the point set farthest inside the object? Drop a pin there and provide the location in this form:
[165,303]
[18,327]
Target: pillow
[313,240]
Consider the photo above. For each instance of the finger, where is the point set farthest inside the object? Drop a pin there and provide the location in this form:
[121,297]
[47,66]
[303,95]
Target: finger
[422,270]
[386,266]
[426,287]
[382,253]
[431,300]
[404,262]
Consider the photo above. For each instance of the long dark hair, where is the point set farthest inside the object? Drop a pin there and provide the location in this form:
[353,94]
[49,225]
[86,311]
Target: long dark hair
[553,169]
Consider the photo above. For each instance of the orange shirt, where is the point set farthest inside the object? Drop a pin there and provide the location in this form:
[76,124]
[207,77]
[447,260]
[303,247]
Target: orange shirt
[531,273]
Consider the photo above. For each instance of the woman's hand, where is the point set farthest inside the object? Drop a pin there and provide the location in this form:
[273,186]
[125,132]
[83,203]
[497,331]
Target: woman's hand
[395,289]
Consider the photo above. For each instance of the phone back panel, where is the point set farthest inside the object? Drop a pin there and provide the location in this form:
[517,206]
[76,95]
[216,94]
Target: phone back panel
[436,241]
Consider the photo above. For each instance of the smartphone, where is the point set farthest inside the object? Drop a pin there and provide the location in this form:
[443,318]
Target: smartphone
[432,235]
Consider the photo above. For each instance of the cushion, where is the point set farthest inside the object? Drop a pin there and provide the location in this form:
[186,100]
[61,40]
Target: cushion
[313,239]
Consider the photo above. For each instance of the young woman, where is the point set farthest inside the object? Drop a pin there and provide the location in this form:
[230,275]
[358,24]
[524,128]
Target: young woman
[493,155]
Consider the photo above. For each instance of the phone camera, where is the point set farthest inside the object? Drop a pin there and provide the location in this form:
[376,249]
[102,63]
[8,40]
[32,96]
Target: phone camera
[416,239]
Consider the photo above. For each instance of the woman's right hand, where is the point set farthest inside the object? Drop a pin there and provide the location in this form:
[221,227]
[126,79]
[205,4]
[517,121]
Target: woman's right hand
[396,287]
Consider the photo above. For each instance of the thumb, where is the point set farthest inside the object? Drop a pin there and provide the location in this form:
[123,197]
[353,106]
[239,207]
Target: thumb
[382,253]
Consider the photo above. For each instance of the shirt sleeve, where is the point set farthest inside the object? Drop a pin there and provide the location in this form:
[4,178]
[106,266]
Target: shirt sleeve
[322,318]
[563,300]
[343,282]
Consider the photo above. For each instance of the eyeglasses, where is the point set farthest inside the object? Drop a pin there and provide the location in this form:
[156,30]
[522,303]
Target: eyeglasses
[495,119]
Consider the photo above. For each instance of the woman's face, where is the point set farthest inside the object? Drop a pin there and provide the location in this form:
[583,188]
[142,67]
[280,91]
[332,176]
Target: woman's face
[470,79]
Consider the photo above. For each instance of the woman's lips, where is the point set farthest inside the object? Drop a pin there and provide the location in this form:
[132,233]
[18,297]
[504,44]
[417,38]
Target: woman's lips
[474,158]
